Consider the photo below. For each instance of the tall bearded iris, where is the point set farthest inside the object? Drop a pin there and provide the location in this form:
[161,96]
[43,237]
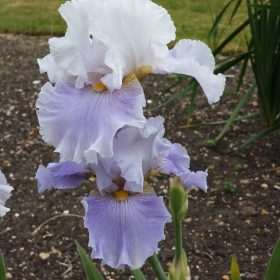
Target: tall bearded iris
[93,115]
[5,191]
[125,210]
[106,41]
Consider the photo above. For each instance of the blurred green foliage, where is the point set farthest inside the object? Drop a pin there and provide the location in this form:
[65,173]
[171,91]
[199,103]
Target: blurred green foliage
[192,17]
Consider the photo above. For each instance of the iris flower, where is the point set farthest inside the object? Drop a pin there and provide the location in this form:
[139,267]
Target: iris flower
[109,46]
[108,41]
[5,191]
[125,210]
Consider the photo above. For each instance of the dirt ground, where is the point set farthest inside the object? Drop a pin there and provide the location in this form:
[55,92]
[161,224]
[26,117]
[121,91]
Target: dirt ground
[241,220]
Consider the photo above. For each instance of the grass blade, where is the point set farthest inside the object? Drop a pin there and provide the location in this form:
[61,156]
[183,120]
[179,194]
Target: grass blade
[138,274]
[231,37]
[273,269]
[235,112]
[242,73]
[91,271]
[2,267]
[234,268]
[213,34]
[260,134]
[235,9]
[227,63]
[177,96]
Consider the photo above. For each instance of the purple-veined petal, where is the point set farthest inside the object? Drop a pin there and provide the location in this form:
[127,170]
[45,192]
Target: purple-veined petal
[194,58]
[174,158]
[107,174]
[197,179]
[62,175]
[125,232]
[75,121]
[133,152]
[5,191]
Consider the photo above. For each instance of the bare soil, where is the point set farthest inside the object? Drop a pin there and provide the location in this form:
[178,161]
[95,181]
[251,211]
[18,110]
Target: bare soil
[220,223]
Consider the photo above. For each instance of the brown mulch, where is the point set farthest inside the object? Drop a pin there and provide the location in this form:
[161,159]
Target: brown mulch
[220,223]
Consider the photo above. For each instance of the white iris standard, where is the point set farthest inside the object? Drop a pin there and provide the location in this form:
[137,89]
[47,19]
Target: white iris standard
[108,40]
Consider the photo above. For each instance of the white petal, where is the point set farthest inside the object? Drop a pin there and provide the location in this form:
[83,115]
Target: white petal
[133,151]
[130,29]
[195,59]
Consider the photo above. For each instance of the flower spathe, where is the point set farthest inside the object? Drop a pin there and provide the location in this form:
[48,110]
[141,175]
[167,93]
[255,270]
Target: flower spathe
[5,190]
[125,232]
[107,40]
[75,121]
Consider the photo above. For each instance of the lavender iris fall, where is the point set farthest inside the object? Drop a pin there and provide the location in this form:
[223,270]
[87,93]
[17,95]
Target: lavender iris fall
[91,111]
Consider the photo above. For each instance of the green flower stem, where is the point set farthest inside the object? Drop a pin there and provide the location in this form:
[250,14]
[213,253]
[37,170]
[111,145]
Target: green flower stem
[178,240]
[155,263]
[138,274]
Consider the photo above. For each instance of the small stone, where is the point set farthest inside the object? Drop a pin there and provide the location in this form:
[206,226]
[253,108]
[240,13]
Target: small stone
[264,212]
[248,221]
[188,220]
[248,211]
[9,275]
[44,256]
[245,181]
[210,202]
[225,277]
[264,186]
[6,163]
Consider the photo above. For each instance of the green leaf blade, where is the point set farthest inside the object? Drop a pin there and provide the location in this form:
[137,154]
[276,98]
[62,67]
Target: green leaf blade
[273,269]
[138,274]
[2,267]
[235,273]
[91,271]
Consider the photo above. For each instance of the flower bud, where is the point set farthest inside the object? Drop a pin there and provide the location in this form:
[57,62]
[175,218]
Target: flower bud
[179,270]
[178,201]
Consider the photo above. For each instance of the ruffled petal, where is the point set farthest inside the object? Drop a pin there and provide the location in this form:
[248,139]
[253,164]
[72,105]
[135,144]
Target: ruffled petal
[174,158]
[107,40]
[125,232]
[62,175]
[197,179]
[76,55]
[141,25]
[133,151]
[55,73]
[75,121]
[5,191]
[194,58]
[107,175]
